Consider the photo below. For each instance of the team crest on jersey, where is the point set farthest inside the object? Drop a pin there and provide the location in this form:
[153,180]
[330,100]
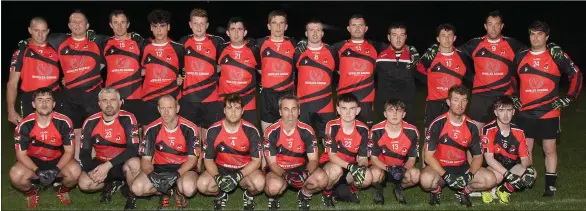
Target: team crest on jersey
[207,51]
[367,51]
[247,60]
[168,57]
[512,148]
[278,66]
[267,144]
[236,74]
[404,150]
[85,47]
[546,66]
[503,52]
[44,69]
[325,60]
[484,140]
[457,67]
[358,66]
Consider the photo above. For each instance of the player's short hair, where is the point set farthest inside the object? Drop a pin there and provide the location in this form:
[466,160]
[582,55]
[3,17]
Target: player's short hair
[233,98]
[314,21]
[109,90]
[397,25]
[43,91]
[40,20]
[539,26]
[117,13]
[167,97]
[197,12]
[159,16]
[394,103]
[234,20]
[445,26]
[494,14]
[289,97]
[503,102]
[458,89]
[348,98]
[357,16]
[276,13]
[78,11]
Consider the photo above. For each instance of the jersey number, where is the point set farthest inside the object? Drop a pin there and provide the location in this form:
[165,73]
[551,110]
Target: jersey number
[395,146]
[449,63]
[347,144]
[198,47]
[108,134]
[122,44]
[159,53]
[237,55]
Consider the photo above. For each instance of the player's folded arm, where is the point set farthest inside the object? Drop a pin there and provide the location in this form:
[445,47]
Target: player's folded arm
[131,132]
[475,149]
[431,142]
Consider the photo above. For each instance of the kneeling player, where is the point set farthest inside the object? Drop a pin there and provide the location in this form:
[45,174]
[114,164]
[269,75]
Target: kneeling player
[346,151]
[394,152]
[113,135]
[506,153]
[232,152]
[169,153]
[448,138]
[44,150]
[292,156]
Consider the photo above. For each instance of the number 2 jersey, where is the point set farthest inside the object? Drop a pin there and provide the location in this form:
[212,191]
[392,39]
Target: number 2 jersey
[451,141]
[232,150]
[346,146]
[290,148]
[507,150]
[44,143]
[38,67]
[394,151]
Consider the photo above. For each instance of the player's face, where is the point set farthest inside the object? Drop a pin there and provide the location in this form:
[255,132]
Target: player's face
[457,103]
[538,39]
[289,111]
[44,104]
[168,109]
[348,111]
[198,26]
[446,38]
[160,30]
[493,27]
[278,26]
[397,37]
[78,24]
[236,32]
[314,32]
[394,114]
[233,112]
[119,25]
[504,114]
[39,31]
[357,28]
[109,103]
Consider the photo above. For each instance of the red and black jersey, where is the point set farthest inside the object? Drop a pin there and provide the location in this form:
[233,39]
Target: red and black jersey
[291,149]
[162,64]
[539,76]
[493,64]
[170,146]
[115,141]
[81,61]
[450,142]
[123,66]
[513,146]
[394,151]
[443,70]
[201,77]
[315,70]
[346,146]
[45,143]
[356,64]
[238,71]
[232,150]
[395,74]
[277,65]
[38,67]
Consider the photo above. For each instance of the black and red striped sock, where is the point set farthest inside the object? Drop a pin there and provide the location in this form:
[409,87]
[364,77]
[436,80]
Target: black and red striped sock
[353,189]
[437,190]
[327,192]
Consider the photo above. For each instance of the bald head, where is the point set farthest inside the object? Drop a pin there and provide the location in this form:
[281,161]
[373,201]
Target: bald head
[167,99]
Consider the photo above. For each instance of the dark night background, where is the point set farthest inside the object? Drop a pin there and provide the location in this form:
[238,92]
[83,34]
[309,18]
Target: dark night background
[566,19]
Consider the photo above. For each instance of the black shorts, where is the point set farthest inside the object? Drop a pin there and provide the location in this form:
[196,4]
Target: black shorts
[481,108]
[202,114]
[463,169]
[366,114]
[115,174]
[301,168]
[80,105]
[45,165]
[539,128]
[149,112]
[318,121]
[132,106]
[269,103]
[225,170]
[171,167]
[433,109]
[507,164]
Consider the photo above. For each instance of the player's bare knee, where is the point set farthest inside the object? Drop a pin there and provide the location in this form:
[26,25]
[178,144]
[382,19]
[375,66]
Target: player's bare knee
[274,186]
[377,175]
[333,171]
[413,175]
[138,187]
[188,188]
[426,180]
[85,183]
[132,165]
[17,173]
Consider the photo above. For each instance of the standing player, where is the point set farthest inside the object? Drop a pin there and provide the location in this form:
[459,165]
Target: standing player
[169,151]
[232,157]
[81,62]
[292,156]
[239,62]
[493,56]
[277,67]
[316,65]
[346,151]
[395,70]
[36,64]
[446,141]
[395,150]
[44,151]
[113,134]
[444,66]
[505,151]
[540,70]
[122,54]
[357,57]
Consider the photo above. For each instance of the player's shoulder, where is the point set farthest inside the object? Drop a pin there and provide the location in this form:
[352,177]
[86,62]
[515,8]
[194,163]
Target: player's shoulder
[249,127]
[291,40]
[517,130]
[471,124]
[186,122]
[338,45]
[305,127]
[183,40]
[439,121]
[489,126]
[333,122]
[215,128]
[158,123]
[361,126]
[123,114]
[379,126]
[510,39]
[274,128]
[27,121]
[410,128]
[476,40]
[62,118]
[92,119]
[175,44]
[261,41]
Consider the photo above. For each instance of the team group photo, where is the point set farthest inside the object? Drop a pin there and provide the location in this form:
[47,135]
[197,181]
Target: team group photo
[256,106]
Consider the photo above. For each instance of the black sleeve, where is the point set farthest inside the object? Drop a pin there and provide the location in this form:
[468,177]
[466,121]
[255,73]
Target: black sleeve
[469,75]
[147,145]
[330,143]
[18,56]
[270,145]
[474,146]
[567,67]
[86,146]
[432,136]
[256,53]
[183,40]
[22,138]
[255,145]
[414,148]
[516,45]
[363,148]
[209,151]
[416,66]
[310,141]
[55,39]
[192,141]
[131,132]
[296,58]
[67,135]
[468,47]
[374,137]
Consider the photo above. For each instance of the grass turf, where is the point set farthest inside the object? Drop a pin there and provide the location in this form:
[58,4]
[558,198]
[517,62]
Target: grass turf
[570,184]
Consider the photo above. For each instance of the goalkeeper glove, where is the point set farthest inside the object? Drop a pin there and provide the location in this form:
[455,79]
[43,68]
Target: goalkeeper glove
[296,179]
[516,101]
[514,180]
[454,181]
[47,177]
[232,180]
[358,173]
[528,177]
[397,173]
[561,102]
